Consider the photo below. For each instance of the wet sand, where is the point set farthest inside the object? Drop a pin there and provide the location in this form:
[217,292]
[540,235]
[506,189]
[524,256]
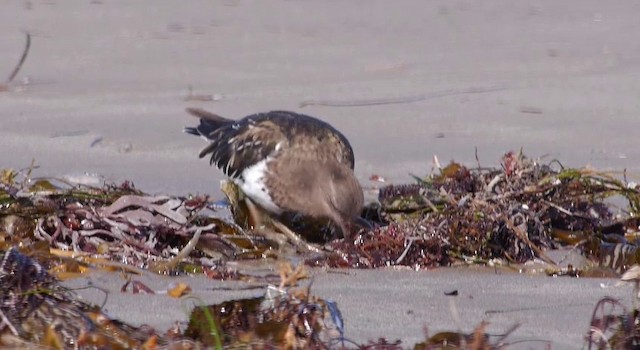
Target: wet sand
[105,85]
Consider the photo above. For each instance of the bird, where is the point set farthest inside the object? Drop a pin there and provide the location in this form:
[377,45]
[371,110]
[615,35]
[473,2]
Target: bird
[285,162]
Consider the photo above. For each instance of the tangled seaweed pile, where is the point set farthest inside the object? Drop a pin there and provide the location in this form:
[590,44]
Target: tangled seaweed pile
[459,215]
[515,213]
[119,226]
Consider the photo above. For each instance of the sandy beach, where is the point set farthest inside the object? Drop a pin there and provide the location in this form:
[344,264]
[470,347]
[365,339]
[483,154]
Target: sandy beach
[102,93]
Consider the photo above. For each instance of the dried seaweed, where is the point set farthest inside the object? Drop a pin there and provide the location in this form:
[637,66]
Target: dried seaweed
[120,223]
[36,310]
[478,340]
[614,326]
[456,215]
[513,213]
[283,318]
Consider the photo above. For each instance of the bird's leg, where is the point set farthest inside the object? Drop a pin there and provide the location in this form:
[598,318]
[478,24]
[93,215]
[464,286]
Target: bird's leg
[255,221]
[364,223]
[295,238]
[255,214]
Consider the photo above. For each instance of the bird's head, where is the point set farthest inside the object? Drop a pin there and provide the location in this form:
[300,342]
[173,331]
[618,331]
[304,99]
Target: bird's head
[343,196]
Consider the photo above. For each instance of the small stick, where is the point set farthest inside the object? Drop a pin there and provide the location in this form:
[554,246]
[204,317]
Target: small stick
[406,250]
[22,59]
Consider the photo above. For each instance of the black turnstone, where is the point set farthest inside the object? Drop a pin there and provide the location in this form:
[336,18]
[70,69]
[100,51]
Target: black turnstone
[285,162]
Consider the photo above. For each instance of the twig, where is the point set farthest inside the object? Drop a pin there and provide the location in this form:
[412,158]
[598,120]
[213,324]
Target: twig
[496,179]
[559,208]
[437,162]
[294,238]
[406,250]
[173,262]
[6,322]
[565,211]
[22,59]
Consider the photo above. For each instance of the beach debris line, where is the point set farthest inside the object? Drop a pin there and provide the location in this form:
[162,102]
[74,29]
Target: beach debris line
[456,215]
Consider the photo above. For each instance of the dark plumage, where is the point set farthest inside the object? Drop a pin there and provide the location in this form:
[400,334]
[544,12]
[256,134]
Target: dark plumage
[285,161]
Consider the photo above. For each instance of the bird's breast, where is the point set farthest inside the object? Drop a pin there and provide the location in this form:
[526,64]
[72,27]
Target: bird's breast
[252,182]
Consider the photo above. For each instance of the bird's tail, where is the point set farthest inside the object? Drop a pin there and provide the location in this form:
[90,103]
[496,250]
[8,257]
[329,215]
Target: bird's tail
[209,122]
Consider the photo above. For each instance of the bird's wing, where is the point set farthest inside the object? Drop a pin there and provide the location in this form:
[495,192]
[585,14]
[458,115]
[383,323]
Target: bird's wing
[241,144]
[209,123]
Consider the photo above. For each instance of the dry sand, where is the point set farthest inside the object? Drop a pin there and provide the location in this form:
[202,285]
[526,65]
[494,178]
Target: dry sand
[103,91]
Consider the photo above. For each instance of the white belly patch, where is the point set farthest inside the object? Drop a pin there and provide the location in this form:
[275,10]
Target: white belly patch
[255,187]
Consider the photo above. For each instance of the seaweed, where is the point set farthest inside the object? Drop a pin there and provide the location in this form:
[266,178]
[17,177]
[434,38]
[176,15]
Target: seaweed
[36,310]
[613,325]
[456,215]
[514,213]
